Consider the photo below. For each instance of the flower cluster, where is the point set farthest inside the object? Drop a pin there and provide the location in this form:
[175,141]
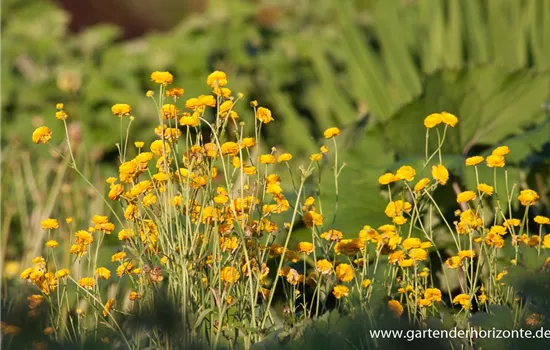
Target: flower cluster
[207,212]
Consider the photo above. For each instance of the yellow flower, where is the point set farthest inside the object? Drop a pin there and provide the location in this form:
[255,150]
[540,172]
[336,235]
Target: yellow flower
[249,170]
[542,220]
[395,307]
[472,161]
[266,159]
[511,222]
[230,274]
[157,147]
[84,237]
[465,196]
[38,260]
[305,247]
[471,219]
[488,190]
[285,157]
[225,107]
[411,243]
[440,174]
[324,266]
[349,247]
[340,291]
[216,79]
[501,275]
[41,135]
[315,157]
[207,100]
[396,208]
[399,220]
[387,228]
[421,184]
[26,273]
[52,243]
[79,249]
[87,282]
[453,262]
[366,283]
[61,115]
[462,299]
[230,148]
[494,240]
[531,241]
[264,115]
[134,296]
[331,132]
[225,92]
[495,161]
[59,106]
[190,119]
[62,273]
[323,149]
[108,307]
[309,201]
[406,173]
[449,119]
[118,256]
[332,235]
[424,302]
[163,78]
[175,92]
[483,298]
[192,103]
[418,254]
[293,277]
[466,254]
[432,294]
[49,224]
[387,178]
[169,111]
[149,199]
[248,142]
[501,151]
[312,218]
[102,272]
[546,241]
[426,245]
[528,197]
[139,144]
[125,268]
[121,109]
[406,262]
[433,120]
[344,272]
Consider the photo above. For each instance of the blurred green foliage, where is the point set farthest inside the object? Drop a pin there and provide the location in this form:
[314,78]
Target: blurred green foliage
[317,65]
[375,68]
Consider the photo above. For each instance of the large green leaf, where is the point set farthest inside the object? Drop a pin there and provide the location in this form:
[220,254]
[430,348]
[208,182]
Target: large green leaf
[490,107]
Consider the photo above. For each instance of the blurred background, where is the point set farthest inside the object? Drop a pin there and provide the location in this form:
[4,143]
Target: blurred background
[374,68]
